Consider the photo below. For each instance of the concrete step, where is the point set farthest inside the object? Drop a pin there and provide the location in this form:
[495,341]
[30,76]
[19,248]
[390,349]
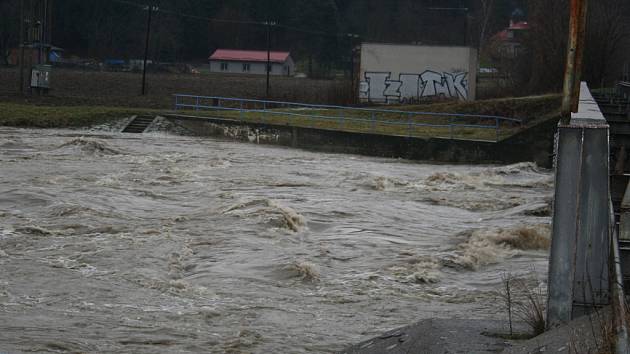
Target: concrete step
[139,124]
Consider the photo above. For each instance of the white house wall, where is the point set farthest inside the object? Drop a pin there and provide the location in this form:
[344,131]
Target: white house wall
[255,68]
[410,73]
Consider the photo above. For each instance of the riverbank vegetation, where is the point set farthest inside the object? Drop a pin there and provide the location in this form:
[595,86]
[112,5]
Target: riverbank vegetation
[35,116]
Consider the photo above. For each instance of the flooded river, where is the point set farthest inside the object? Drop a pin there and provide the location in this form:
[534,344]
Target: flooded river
[157,243]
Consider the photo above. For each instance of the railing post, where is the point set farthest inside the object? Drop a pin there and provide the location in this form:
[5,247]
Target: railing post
[451,127]
[497,128]
[409,125]
[241,113]
[373,121]
[342,120]
[176,102]
[197,103]
[264,111]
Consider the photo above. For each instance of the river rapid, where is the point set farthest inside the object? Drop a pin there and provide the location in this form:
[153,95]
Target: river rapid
[163,243]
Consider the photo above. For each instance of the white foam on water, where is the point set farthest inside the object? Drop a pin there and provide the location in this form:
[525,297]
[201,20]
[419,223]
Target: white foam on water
[89,146]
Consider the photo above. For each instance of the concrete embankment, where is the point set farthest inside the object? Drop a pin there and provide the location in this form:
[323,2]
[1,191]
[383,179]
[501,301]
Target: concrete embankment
[439,336]
[583,335]
[532,144]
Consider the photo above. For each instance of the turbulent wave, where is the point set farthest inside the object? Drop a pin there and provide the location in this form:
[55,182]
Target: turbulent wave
[485,203]
[492,189]
[489,189]
[72,264]
[90,146]
[526,175]
[290,218]
[382,183]
[481,248]
[273,212]
[13,144]
[423,270]
[34,230]
[489,246]
[516,168]
[303,270]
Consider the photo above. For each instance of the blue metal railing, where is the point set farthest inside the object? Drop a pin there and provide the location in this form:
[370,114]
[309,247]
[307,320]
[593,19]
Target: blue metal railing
[448,125]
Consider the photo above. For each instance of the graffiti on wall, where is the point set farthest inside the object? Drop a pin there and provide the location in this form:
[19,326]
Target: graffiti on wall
[381,87]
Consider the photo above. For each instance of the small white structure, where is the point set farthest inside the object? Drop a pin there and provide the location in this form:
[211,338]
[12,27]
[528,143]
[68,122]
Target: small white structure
[392,73]
[251,62]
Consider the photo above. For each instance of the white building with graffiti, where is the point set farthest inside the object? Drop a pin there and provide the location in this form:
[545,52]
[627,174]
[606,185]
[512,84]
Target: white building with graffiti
[392,73]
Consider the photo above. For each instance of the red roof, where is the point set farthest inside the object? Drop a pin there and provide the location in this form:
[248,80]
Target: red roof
[518,26]
[249,55]
[523,25]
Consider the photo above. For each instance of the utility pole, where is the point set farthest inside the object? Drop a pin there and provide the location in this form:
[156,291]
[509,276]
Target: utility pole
[21,46]
[44,32]
[268,55]
[573,70]
[150,9]
[352,38]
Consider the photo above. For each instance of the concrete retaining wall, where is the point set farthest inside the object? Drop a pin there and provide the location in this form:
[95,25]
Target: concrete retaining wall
[534,144]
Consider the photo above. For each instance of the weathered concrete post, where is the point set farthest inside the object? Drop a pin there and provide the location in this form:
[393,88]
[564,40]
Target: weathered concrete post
[578,266]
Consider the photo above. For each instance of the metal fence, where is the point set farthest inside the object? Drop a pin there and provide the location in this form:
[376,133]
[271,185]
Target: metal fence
[369,120]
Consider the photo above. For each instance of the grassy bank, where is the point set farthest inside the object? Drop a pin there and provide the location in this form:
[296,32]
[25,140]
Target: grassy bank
[528,109]
[24,115]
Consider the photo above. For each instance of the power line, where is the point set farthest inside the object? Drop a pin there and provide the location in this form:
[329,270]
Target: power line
[242,22]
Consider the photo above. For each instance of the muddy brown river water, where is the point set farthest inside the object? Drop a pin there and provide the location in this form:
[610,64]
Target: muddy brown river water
[163,243]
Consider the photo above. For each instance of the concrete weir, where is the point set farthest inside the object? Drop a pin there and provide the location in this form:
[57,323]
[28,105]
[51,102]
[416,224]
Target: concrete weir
[533,144]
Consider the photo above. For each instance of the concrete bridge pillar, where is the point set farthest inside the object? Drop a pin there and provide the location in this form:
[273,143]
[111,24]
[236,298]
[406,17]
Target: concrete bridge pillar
[579,262]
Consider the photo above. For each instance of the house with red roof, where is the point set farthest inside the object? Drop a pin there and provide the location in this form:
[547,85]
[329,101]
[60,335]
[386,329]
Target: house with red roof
[253,62]
[509,42]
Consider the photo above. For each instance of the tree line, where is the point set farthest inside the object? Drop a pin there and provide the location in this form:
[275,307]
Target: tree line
[321,33]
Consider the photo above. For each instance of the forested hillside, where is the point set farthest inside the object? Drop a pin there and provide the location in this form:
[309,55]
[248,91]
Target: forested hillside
[322,32]
[183,31]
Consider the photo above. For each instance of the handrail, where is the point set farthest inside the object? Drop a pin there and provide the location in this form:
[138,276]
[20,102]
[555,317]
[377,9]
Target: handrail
[618,294]
[406,120]
[377,110]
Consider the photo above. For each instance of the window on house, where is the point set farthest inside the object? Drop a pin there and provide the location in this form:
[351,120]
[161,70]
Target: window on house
[224,66]
[246,67]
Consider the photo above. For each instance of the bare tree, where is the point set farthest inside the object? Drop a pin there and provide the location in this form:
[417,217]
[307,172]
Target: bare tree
[485,13]
[9,27]
[547,45]
[608,36]
[607,42]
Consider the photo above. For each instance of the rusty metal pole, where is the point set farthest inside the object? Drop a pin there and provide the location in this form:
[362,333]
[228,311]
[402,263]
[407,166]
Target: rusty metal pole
[573,70]
[150,8]
[579,56]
